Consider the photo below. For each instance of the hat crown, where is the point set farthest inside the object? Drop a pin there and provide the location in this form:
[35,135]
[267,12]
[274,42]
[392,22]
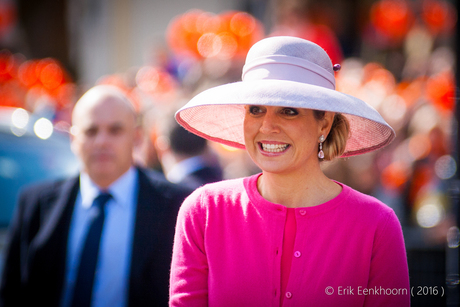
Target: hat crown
[291,47]
[289,58]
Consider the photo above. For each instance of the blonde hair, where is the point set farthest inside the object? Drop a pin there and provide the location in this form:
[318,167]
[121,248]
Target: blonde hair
[336,141]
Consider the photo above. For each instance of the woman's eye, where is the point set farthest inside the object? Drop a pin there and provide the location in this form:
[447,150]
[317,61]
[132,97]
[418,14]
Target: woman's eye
[255,110]
[289,111]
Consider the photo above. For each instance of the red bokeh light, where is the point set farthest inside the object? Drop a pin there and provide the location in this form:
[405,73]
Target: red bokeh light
[8,17]
[8,67]
[46,77]
[392,18]
[439,16]
[440,89]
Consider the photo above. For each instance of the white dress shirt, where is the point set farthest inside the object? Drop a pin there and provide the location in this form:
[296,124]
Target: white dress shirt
[184,168]
[111,282]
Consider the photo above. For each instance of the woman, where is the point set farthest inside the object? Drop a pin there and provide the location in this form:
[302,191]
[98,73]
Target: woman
[288,236]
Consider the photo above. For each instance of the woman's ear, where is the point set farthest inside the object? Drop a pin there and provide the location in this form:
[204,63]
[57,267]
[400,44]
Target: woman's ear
[326,123]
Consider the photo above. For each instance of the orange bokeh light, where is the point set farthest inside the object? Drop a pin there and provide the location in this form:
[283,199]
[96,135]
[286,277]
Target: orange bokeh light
[419,146]
[395,175]
[26,73]
[64,94]
[47,73]
[229,45]
[204,35]
[22,80]
[246,29]
[50,73]
[182,34]
[155,81]
[242,24]
[209,45]
[11,94]
[411,91]
[147,78]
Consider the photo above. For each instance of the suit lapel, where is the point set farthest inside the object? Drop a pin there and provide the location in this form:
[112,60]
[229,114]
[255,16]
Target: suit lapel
[150,258]
[57,213]
[49,248]
[157,207]
[145,218]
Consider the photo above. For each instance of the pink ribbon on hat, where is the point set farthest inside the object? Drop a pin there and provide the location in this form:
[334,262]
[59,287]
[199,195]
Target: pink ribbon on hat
[281,67]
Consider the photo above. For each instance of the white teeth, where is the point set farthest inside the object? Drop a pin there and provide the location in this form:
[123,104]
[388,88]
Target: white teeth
[274,147]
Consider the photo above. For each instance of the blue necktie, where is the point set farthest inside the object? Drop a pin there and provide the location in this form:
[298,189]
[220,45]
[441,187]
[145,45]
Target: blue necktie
[85,277]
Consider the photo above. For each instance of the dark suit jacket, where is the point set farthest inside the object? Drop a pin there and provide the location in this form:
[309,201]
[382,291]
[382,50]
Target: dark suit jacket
[204,175]
[34,269]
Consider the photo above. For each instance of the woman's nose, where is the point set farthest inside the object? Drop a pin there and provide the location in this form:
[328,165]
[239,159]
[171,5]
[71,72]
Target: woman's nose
[269,124]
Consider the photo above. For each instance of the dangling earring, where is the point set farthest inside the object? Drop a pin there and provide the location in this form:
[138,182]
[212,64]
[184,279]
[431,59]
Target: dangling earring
[321,152]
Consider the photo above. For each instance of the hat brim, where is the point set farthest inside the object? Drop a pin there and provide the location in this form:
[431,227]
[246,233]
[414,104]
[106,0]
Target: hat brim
[217,114]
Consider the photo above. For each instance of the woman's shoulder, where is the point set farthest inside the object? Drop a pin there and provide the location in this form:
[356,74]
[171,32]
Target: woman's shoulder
[365,204]
[224,188]
[367,212]
[217,193]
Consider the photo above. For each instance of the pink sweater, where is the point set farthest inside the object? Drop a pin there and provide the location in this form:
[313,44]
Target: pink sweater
[348,251]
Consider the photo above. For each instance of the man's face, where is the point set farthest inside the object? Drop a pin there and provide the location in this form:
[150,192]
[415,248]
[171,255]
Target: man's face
[105,133]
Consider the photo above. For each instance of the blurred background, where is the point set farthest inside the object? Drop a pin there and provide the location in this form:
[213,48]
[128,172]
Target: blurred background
[397,55]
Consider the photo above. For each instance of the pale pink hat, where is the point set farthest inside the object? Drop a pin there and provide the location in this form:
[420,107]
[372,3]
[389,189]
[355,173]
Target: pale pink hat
[289,72]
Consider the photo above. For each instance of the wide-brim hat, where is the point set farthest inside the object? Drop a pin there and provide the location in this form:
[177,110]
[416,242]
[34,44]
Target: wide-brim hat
[287,72]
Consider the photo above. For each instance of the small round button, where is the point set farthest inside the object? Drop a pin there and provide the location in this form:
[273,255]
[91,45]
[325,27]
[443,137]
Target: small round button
[297,254]
[288,294]
[303,212]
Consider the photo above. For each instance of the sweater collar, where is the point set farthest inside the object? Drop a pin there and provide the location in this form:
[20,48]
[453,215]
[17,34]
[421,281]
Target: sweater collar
[250,185]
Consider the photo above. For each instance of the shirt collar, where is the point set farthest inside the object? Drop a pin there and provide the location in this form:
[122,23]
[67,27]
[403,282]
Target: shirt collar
[121,190]
[184,168]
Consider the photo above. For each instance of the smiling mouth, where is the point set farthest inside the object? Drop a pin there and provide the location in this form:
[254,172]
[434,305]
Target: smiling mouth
[273,147]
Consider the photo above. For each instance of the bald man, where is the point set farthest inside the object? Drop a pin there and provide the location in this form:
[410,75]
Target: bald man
[69,248]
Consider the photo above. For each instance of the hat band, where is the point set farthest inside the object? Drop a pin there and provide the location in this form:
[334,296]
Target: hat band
[299,70]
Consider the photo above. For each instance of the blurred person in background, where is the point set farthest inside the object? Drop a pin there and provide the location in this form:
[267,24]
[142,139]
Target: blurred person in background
[103,238]
[187,158]
[289,236]
[146,153]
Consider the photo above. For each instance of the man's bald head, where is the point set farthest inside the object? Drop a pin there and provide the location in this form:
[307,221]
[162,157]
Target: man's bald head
[104,133]
[98,95]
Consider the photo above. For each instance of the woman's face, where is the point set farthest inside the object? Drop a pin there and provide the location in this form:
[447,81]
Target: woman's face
[282,139]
